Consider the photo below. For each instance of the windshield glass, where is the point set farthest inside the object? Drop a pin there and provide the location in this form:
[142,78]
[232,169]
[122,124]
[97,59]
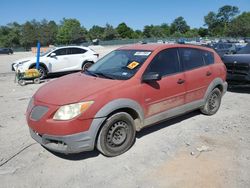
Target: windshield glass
[245,50]
[47,52]
[119,64]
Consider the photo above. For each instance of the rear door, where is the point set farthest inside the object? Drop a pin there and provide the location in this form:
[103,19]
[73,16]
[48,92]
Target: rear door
[75,58]
[197,74]
[169,92]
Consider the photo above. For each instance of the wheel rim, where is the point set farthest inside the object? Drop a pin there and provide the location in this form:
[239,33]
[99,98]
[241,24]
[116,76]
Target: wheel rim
[41,71]
[213,102]
[117,134]
[86,66]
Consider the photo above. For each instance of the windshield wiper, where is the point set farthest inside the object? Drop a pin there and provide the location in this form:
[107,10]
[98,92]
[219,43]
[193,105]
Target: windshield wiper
[104,75]
[99,74]
[91,73]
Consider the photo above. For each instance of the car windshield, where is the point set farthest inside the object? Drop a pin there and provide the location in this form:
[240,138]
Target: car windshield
[119,64]
[245,50]
[47,52]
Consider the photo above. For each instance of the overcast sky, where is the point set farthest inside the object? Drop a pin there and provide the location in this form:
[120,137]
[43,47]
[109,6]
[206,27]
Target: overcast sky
[136,13]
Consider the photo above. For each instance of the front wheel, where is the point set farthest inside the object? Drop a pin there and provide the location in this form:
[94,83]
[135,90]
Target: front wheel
[213,102]
[117,135]
[42,71]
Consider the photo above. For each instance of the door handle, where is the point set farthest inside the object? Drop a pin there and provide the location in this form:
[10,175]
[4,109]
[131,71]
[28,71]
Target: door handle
[208,73]
[180,81]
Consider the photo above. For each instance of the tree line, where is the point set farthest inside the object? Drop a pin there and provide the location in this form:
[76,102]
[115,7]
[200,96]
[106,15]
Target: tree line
[226,22]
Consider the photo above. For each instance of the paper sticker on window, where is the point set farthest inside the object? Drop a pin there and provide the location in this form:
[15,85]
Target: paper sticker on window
[142,53]
[133,65]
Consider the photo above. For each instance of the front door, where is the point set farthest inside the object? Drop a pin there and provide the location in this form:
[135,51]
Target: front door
[169,92]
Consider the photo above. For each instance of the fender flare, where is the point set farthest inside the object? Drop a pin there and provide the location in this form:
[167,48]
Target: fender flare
[216,82]
[122,103]
[40,63]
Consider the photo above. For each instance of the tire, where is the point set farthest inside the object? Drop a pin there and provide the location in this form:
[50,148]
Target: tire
[86,65]
[42,71]
[21,82]
[117,135]
[37,80]
[213,102]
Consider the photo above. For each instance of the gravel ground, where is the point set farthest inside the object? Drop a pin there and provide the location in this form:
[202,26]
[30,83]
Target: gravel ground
[189,151]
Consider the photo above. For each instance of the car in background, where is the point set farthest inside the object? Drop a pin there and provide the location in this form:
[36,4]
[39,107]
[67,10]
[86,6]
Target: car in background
[238,66]
[224,48]
[127,90]
[6,51]
[59,59]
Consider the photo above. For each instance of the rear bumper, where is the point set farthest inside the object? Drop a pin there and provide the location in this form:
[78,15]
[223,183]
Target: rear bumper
[75,143]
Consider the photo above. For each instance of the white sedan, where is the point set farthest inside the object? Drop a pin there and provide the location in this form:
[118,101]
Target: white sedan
[60,59]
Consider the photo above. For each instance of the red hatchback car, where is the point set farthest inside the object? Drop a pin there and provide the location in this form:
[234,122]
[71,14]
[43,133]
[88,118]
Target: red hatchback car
[125,91]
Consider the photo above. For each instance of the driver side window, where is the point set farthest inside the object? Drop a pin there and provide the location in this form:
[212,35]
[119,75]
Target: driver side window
[60,52]
[165,62]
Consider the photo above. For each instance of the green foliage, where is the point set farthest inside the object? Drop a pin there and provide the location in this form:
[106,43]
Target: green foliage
[156,31]
[240,26]
[109,33]
[218,22]
[96,32]
[71,32]
[124,31]
[179,25]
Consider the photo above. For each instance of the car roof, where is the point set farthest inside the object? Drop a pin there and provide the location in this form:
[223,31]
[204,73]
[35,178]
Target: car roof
[153,47]
[83,47]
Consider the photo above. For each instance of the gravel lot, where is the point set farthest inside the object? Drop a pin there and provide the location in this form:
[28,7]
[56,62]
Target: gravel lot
[189,151]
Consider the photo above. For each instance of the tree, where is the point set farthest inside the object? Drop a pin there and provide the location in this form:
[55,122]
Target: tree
[203,32]
[96,32]
[179,25]
[28,35]
[240,26]
[157,31]
[47,32]
[10,35]
[227,13]
[124,31]
[218,22]
[71,32]
[109,32]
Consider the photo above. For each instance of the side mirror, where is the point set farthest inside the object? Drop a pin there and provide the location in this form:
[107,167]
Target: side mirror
[151,76]
[53,55]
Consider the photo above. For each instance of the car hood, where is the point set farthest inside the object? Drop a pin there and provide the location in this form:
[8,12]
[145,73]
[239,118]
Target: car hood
[72,88]
[25,59]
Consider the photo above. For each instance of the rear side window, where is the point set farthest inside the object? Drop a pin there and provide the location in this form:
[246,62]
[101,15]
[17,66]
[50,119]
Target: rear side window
[191,58]
[76,51]
[208,57]
[165,62]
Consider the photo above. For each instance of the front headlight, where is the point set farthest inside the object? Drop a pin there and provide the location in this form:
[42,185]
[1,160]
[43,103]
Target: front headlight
[72,110]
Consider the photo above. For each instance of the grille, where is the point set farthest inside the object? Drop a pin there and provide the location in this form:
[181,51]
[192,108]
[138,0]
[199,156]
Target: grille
[38,112]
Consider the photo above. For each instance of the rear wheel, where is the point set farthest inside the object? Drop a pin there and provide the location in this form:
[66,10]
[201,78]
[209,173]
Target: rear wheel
[213,102]
[86,65]
[117,135]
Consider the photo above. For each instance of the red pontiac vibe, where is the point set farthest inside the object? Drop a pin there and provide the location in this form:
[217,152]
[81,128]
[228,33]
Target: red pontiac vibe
[125,91]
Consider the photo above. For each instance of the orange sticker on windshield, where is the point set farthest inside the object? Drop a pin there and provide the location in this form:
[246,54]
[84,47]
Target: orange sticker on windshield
[133,65]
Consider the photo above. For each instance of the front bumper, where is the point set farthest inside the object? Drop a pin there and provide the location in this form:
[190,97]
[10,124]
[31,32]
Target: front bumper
[75,143]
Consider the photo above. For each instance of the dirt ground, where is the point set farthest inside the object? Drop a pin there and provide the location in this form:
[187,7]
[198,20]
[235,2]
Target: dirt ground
[189,151]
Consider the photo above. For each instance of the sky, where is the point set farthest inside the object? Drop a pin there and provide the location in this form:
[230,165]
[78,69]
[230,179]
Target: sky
[135,13]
